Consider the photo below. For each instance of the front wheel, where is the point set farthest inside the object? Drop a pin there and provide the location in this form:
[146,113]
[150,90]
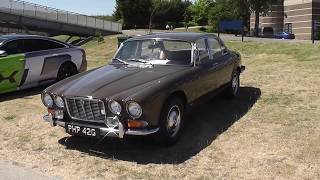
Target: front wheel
[232,90]
[171,122]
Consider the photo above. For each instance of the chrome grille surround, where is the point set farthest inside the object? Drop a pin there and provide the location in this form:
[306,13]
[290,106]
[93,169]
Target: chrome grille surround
[86,109]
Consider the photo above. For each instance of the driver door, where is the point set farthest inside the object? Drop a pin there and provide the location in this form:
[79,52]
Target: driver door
[11,66]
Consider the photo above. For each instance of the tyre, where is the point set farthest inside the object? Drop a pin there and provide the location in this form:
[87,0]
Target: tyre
[171,122]
[232,90]
[66,70]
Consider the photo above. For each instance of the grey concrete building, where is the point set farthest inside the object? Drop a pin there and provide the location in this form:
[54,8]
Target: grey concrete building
[295,16]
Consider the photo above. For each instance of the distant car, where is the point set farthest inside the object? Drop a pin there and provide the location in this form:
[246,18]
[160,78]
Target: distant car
[28,61]
[146,88]
[284,35]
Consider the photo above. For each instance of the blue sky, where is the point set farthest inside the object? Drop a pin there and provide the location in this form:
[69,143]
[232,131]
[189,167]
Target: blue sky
[88,7]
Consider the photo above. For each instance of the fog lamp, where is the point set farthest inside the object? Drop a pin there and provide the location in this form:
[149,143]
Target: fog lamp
[112,122]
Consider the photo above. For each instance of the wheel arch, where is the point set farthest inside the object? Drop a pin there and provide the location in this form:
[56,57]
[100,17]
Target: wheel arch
[179,94]
[68,62]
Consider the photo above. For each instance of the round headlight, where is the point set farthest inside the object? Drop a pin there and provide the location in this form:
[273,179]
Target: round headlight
[134,109]
[47,100]
[114,107]
[59,101]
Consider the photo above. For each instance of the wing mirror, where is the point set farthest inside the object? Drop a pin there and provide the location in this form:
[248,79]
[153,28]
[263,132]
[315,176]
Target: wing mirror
[3,53]
[224,51]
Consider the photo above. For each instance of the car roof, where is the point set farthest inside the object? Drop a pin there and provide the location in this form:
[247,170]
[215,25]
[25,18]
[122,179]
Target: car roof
[190,37]
[15,36]
[8,37]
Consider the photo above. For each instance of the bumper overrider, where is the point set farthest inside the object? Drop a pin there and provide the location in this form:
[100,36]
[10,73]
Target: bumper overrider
[117,129]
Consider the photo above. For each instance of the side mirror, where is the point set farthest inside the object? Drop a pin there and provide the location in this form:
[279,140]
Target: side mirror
[3,53]
[224,51]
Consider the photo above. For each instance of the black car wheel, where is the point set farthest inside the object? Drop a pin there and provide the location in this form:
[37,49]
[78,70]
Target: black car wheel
[232,90]
[171,122]
[65,71]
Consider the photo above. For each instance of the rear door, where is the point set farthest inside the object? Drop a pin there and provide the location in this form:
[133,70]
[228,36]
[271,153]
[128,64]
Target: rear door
[12,66]
[207,77]
[42,59]
[222,60]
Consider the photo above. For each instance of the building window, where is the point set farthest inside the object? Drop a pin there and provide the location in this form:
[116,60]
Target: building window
[288,27]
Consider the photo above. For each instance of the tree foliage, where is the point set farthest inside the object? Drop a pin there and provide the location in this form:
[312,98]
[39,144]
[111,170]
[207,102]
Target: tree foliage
[133,12]
[172,12]
[199,11]
[136,13]
[227,10]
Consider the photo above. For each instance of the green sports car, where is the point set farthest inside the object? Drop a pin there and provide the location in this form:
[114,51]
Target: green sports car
[28,61]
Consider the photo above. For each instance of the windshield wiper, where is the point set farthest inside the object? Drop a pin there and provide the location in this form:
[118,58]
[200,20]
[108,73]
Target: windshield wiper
[122,61]
[140,60]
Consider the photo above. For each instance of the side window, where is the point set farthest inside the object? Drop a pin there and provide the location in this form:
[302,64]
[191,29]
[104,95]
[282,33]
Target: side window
[202,48]
[215,47]
[41,45]
[14,47]
[30,45]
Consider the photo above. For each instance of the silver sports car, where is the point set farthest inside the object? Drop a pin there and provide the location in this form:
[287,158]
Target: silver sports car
[28,61]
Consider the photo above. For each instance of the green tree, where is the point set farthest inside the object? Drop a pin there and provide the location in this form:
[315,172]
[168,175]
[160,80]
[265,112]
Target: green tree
[173,11]
[138,12]
[223,10]
[199,11]
[133,12]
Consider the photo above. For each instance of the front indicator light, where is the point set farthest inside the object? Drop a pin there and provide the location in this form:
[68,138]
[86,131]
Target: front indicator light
[136,124]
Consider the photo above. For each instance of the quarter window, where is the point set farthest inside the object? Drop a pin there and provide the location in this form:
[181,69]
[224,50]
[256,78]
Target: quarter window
[214,47]
[202,48]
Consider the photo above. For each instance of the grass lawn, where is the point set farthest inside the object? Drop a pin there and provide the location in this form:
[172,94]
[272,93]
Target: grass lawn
[271,131]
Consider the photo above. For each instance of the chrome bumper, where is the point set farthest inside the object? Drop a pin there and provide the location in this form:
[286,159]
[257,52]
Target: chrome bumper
[112,132]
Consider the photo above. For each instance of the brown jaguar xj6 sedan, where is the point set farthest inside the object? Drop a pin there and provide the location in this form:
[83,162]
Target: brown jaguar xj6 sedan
[146,88]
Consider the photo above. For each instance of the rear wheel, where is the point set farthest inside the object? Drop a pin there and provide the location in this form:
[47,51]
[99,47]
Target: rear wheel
[171,122]
[66,70]
[232,90]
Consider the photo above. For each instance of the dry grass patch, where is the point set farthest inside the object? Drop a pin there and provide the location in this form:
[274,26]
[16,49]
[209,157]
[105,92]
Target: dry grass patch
[271,131]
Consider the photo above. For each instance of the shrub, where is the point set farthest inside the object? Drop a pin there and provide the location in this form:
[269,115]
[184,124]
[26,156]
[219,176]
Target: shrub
[98,37]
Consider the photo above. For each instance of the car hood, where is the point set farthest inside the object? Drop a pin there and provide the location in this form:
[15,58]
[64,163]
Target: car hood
[110,80]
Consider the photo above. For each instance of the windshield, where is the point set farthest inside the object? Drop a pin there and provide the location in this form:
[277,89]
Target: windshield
[152,51]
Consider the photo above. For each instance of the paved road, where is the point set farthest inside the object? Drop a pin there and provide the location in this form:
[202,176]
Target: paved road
[225,37]
[11,171]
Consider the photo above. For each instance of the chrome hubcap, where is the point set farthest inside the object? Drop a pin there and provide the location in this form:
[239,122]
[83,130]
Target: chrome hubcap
[235,83]
[173,120]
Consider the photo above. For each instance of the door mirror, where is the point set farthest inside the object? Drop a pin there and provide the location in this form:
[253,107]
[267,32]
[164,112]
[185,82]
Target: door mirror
[224,51]
[3,53]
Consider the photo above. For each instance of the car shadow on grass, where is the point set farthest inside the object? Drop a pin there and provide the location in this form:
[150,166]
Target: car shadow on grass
[203,125]
[25,94]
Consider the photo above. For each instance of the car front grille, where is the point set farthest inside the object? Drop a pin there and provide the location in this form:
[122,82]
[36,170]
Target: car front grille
[86,109]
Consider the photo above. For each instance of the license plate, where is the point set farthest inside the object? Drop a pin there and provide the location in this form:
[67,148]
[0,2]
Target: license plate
[82,131]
